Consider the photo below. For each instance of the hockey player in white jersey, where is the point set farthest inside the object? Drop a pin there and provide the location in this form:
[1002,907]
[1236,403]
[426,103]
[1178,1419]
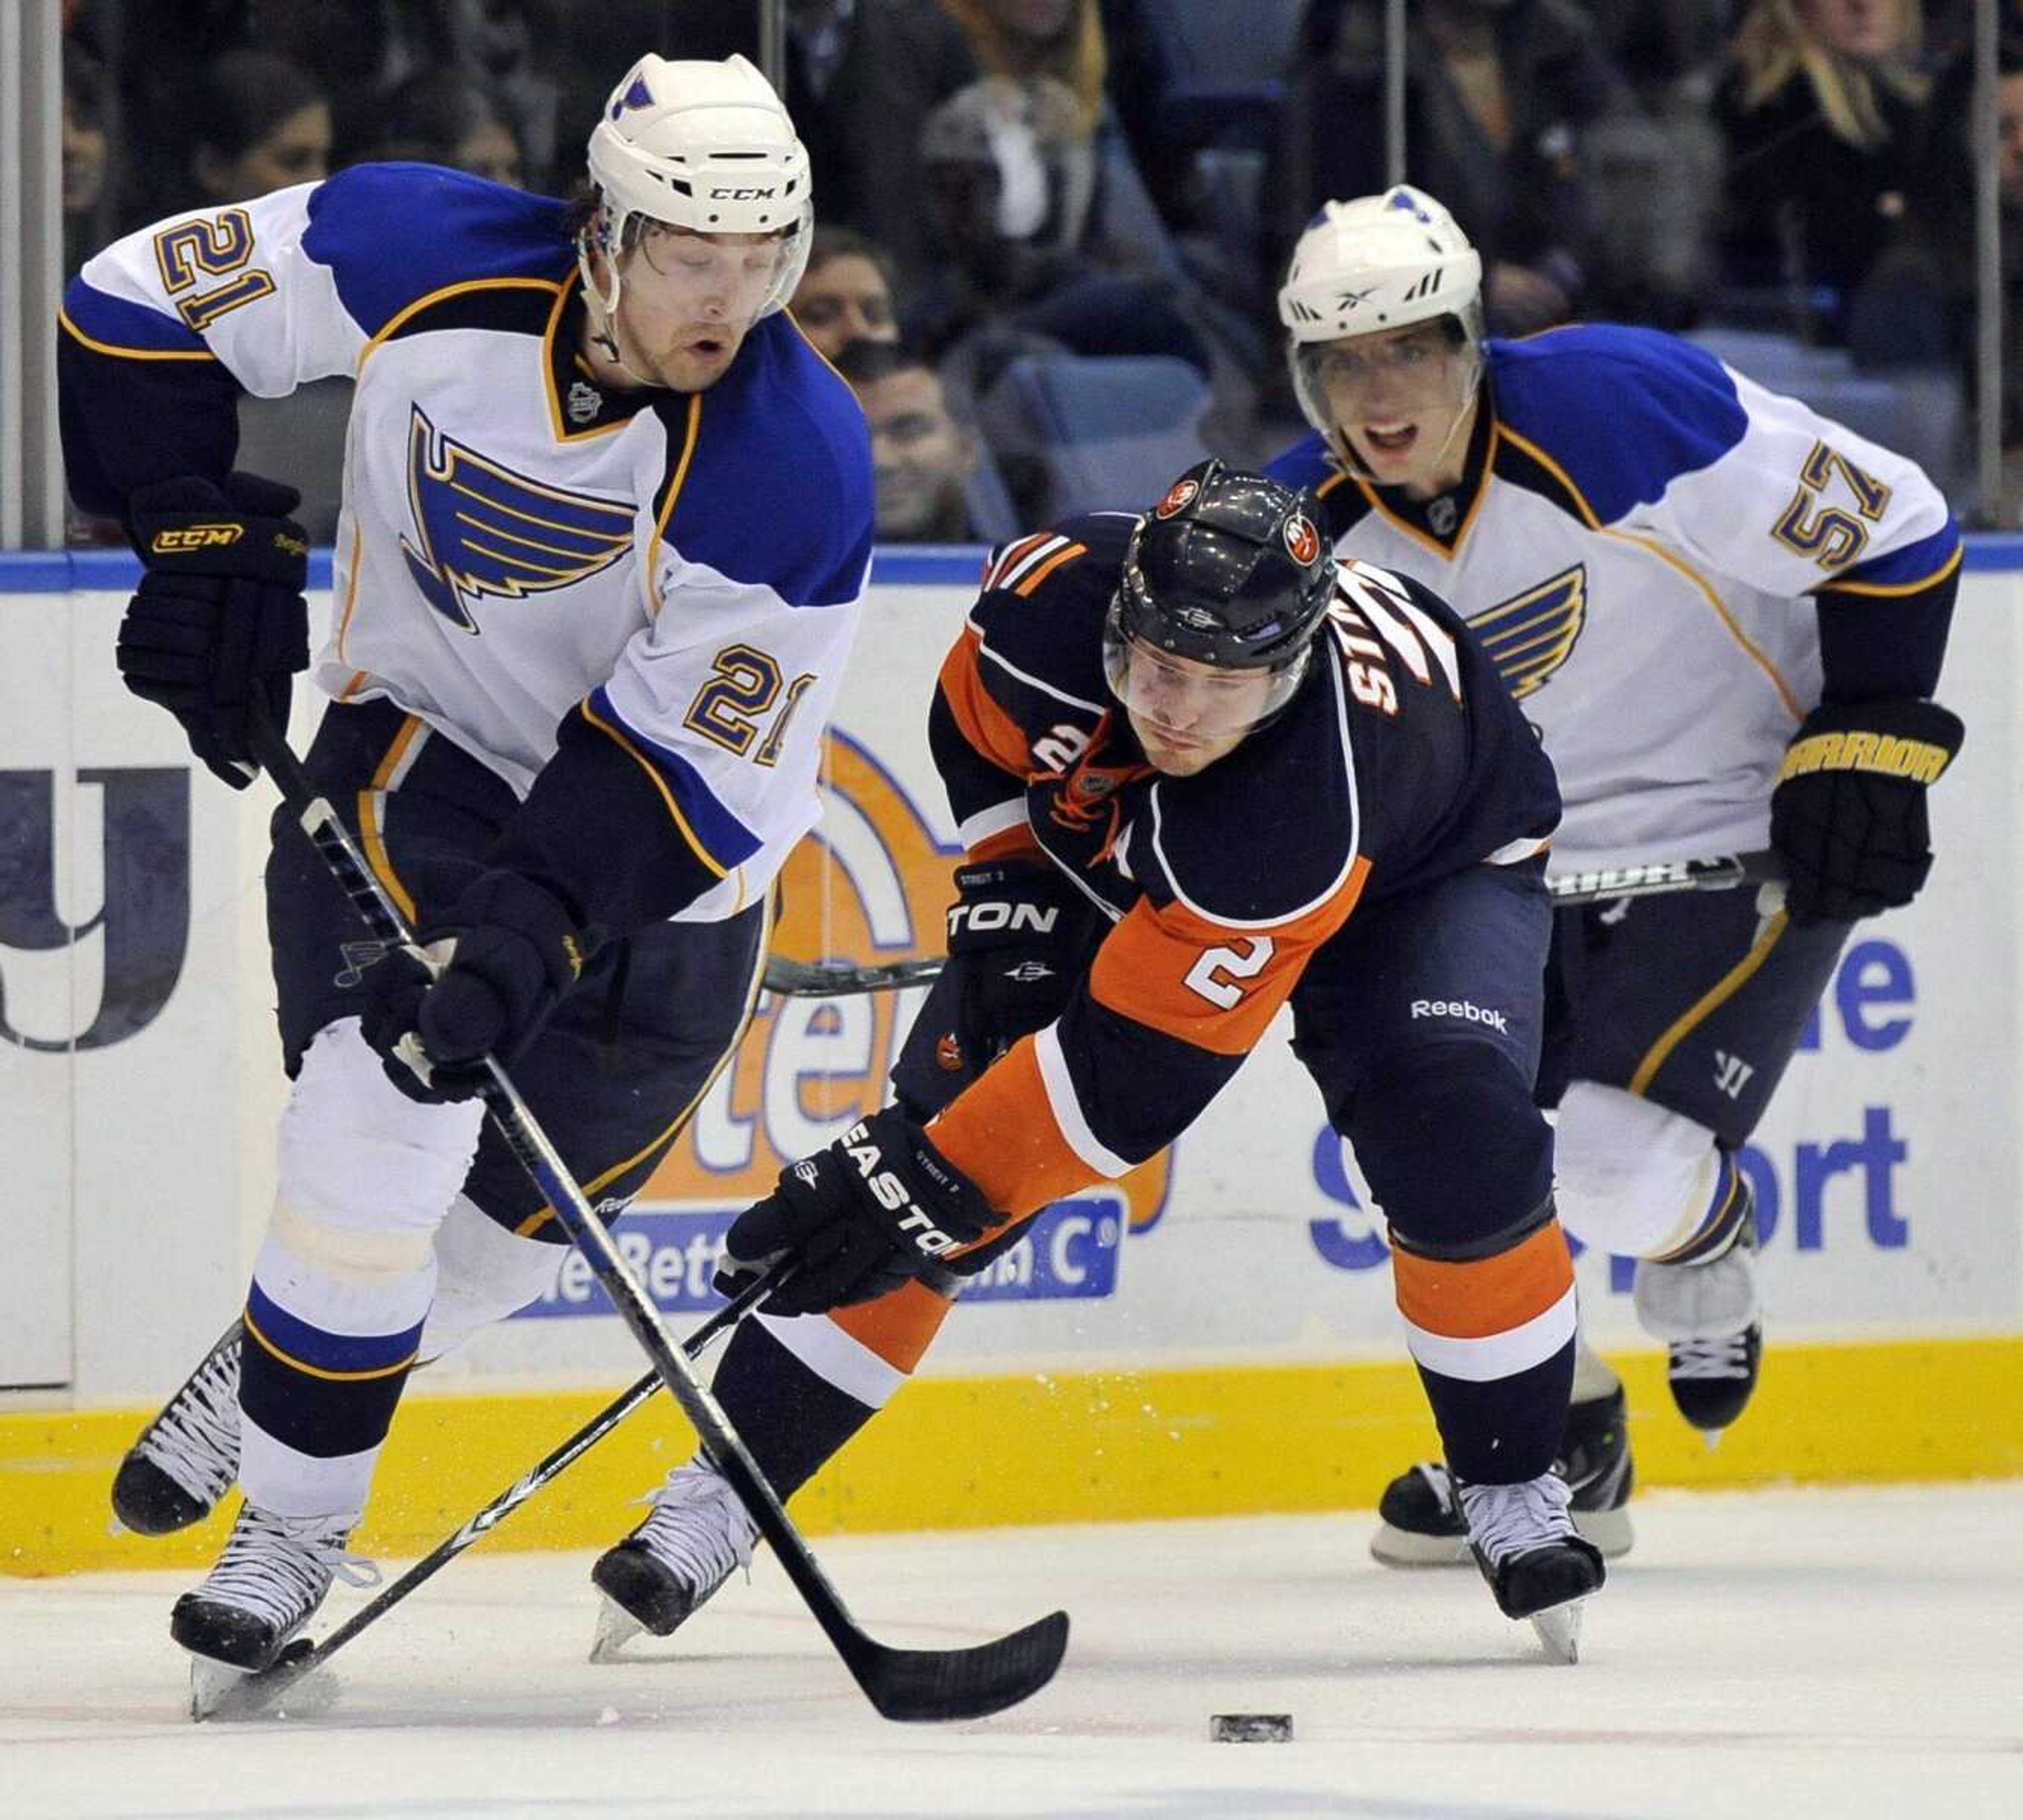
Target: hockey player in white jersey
[607,522]
[1725,615]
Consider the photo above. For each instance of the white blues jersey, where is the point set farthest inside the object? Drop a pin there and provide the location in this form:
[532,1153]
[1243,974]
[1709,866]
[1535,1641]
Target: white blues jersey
[517,544]
[1635,539]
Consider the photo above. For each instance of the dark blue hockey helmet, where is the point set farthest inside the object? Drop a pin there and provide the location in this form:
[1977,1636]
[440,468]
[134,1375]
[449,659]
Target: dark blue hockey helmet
[1230,569]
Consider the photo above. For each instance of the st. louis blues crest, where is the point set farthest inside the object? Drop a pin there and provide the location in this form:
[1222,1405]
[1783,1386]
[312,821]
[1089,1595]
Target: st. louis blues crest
[1531,634]
[481,529]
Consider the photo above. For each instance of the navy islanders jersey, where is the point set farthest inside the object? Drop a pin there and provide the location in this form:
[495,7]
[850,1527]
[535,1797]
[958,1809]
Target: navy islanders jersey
[524,556]
[1399,761]
[1671,567]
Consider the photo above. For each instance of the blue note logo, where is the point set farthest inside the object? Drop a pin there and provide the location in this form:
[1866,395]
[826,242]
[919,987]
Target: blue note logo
[481,530]
[1531,634]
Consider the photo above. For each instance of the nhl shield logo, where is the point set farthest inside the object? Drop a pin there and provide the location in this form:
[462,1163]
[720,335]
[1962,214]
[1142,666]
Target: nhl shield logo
[1303,542]
[1177,497]
[584,402]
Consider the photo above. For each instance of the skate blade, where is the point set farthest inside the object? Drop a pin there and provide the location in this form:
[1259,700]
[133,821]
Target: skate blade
[616,1628]
[291,1687]
[1559,1630]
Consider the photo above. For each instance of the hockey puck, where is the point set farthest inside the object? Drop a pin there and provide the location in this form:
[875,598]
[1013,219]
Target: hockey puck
[1251,1728]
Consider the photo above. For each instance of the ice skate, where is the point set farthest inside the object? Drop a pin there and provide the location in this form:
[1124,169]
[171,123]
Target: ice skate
[1421,1523]
[696,1536]
[1707,1312]
[188,1457]
[273,1574]
[1537,1564]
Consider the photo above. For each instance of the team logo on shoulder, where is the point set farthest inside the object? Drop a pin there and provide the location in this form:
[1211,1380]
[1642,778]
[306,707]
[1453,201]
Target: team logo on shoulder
[481,529]
[1302,541]
[1177,497]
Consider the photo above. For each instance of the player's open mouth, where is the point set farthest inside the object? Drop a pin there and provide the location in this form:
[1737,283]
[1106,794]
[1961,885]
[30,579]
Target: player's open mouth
[1392,439]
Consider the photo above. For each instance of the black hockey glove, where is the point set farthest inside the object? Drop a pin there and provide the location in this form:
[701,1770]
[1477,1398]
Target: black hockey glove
[863,1217]
[1017,936]
[219,620]
[1848,814]
[512,951]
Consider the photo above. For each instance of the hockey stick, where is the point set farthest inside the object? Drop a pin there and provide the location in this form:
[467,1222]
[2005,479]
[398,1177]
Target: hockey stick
[835,979]
[1723,873]
[302,1657]
[902,1684]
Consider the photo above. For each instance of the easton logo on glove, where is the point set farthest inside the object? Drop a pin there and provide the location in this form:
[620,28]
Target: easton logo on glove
[1001,916]
[890,1190]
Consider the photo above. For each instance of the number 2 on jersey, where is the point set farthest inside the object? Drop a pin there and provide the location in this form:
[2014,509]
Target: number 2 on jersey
[1205,976]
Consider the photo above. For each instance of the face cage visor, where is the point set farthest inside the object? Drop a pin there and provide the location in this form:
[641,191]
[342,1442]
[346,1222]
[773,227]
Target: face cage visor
[1192,700]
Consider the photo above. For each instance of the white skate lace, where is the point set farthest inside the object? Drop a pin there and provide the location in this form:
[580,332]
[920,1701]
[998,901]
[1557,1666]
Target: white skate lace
[1726,1356]
[1504,1521]
[195,1439]
[1439,1481]
[698,1529]
[279,1568]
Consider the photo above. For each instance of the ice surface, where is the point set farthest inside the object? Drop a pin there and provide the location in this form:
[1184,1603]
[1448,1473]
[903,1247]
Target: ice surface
[1838,1653]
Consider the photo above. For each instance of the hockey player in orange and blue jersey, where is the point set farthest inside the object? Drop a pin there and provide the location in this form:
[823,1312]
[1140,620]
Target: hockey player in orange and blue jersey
[1726,616]
[1201,772]
[606,525]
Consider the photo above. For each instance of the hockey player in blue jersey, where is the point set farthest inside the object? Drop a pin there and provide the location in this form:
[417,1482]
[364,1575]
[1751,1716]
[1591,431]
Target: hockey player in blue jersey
[1726,615]
[607,521]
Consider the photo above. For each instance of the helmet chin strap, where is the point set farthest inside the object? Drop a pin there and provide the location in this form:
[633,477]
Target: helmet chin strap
[603,313]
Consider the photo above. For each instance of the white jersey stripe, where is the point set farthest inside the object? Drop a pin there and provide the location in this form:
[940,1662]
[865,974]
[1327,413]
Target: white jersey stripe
[1494,1355]
[835,1357]
[1066,1107]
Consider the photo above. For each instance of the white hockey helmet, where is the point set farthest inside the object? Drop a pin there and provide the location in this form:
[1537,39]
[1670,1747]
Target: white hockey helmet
[1381,262]
[703,145]
[1375,263]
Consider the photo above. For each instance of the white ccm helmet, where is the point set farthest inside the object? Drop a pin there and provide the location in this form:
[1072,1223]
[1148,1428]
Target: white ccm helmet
[703,145]
[1379,262]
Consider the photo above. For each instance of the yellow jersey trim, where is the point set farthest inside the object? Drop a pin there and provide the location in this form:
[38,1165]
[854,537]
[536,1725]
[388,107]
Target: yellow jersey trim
[129,353]
[1737,976]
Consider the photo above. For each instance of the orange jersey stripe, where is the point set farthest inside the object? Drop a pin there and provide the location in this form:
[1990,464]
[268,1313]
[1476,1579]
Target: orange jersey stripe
[1485,1296]
[994,734]
[1025,589]
[1002,1135]
[1157,967]
[898,1327]
[1014,842]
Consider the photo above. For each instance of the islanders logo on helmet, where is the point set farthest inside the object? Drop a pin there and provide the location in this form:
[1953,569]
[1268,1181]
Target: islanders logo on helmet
[1303,542]
[1179,496]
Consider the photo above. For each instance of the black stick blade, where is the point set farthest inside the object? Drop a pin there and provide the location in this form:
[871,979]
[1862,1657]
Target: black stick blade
[943,1684]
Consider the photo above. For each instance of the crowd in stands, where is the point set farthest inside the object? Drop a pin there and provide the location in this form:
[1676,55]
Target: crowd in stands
[1057,220]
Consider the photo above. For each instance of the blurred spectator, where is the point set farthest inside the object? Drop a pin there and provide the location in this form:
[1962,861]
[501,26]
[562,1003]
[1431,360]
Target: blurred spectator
[845,294]
[1499,96]
[439,117]
[1824,113]
[1060,39]
[1010,171]
[923,457]
[87,151]
[259,124]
